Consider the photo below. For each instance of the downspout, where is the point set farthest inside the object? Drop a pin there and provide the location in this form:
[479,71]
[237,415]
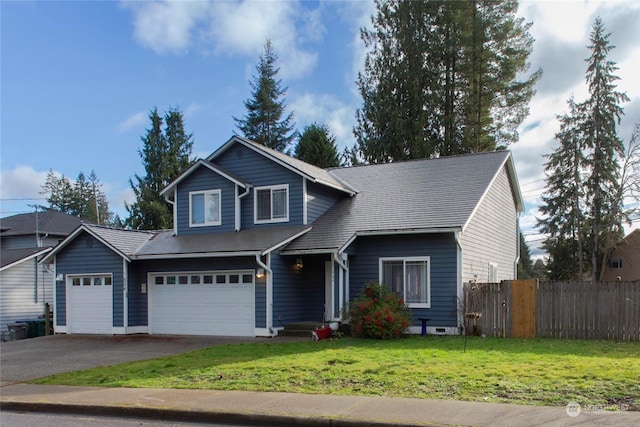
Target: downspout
[515,264]
[269,289]
[173,209]
[238,207]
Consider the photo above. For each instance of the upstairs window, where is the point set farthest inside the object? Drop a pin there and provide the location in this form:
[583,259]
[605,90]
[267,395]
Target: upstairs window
[408,278]
[271,204]
[204,208]
[615,263]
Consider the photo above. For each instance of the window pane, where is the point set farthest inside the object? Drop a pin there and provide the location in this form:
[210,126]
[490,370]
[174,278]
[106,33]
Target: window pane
[234,278]
[247,278]
[97,281]
[197,208]
[171,280]
[195,280]
[75,281]
[86,281]
[392,276]
[159,280]
[183,280]
[263,210]
[213,208]
[107,281]
[221,278]
[416,282]
[208,279]
[280,203]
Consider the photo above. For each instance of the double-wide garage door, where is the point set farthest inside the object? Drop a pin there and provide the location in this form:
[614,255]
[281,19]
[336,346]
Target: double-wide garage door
[202,303]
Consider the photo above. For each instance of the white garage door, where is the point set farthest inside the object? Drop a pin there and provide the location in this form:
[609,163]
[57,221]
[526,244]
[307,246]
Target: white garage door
[202,303]
[90,304]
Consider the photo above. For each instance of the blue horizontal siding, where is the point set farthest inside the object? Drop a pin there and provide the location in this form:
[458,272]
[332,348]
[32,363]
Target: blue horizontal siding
[320,199]
[260,172]
[366,252]
[86,255]
[203,179]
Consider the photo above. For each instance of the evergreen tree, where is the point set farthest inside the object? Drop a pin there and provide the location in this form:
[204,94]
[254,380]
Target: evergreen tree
[317,146]
[525,265]
[441,78]
[602,115]
[165,155]
[540,270]
[83,199]
[264,121]
[563,202]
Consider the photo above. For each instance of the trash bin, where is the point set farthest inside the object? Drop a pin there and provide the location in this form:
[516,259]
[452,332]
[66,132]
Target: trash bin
[35,328]
[18,330]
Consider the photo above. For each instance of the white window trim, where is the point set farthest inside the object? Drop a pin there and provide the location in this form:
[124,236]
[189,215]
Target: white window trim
[493,272]
[404,260]
[255,204]
[205,193]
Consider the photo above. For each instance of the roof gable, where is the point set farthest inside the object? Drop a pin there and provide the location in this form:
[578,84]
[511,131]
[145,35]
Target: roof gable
[205,163]
[306,170]
[12,257]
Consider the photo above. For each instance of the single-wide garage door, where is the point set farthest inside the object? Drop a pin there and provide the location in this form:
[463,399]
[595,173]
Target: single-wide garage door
[90,304]
[203,303]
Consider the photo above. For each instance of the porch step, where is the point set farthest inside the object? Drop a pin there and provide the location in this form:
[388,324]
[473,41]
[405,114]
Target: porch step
[299,329]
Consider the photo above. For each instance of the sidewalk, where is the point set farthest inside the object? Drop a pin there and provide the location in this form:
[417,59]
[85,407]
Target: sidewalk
[292,409]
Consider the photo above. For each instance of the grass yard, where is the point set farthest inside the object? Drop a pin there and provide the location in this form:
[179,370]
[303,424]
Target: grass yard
[536,372]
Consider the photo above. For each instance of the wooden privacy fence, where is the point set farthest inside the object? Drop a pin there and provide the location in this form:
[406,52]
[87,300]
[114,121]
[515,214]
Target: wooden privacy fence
[574,310]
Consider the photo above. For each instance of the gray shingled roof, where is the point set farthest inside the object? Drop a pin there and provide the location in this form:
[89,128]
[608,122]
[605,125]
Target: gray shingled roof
[51,222]
[124,241]
[322,176]
[244,241]
[404,196]
[11,256]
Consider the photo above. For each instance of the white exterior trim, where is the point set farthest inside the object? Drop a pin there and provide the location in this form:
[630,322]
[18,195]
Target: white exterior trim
[205,193]
[404,260]
[271,188]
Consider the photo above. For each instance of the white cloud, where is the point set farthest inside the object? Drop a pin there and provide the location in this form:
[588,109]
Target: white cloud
[165,26]
[133,121]
[21,182]
[329,110]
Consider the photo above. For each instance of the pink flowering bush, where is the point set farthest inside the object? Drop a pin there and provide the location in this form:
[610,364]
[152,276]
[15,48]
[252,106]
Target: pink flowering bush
[378,313]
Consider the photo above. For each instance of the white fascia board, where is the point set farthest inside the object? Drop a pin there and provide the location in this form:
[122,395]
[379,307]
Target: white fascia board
[27,258]
[286,241]
[64,243]
[192,168]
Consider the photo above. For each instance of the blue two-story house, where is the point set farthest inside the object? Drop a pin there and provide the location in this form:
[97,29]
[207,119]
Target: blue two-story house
[261,239]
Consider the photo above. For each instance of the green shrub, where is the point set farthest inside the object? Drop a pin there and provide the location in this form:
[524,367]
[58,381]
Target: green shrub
[378,313]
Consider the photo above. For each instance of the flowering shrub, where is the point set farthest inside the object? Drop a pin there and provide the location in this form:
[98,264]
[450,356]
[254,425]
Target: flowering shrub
[378,313]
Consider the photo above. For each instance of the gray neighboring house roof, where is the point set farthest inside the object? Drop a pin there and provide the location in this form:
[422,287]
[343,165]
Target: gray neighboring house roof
[244,242]
[11,257]
[311,172]
[48,222]
[410,196]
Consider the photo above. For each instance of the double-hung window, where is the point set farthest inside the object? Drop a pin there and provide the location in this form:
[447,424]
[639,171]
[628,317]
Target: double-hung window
[271,204]
[204,208]
[408,278]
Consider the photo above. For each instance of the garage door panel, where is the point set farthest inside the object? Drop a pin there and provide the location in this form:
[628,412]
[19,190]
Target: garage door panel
[90,308]
[203,309]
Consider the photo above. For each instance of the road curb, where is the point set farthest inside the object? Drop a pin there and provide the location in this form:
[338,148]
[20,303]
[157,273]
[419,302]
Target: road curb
[185,415]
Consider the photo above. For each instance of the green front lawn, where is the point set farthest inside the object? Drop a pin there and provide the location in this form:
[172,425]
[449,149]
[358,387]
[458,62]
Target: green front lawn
[537,372]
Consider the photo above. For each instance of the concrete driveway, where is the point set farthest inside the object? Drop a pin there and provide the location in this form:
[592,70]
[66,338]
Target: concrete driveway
[28,359]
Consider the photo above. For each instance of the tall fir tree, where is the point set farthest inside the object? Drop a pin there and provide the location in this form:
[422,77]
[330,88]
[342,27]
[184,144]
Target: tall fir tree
[165,155]
[264,122]
[442,78]
[602,111]
[563,203]
[317,146]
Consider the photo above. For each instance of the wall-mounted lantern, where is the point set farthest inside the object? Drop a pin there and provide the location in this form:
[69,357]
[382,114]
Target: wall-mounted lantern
[299,263]
[260,273]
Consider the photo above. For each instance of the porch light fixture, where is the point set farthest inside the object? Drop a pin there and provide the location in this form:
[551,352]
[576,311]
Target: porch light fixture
[260,273]
[299,263]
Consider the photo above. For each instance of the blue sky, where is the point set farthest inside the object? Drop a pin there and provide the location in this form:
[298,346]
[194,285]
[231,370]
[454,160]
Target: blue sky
[78,79]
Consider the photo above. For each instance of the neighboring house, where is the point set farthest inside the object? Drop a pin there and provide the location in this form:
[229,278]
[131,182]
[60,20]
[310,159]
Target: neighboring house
[624,262]
[25,285]
[261,239]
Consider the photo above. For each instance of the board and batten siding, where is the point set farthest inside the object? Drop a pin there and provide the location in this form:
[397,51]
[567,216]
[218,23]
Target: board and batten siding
[203,179]
[20,299]
[87,255]
[491,235]
[259,172]
[441,248]
[319,200]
